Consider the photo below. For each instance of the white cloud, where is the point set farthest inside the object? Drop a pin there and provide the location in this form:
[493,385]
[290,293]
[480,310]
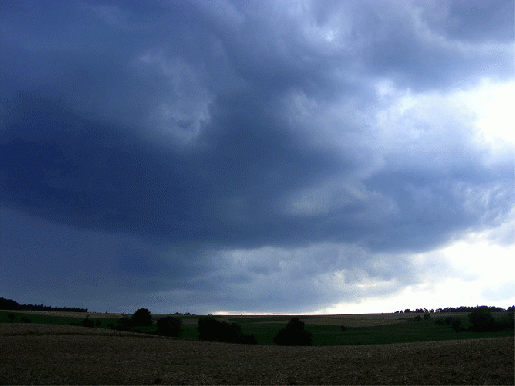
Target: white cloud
[472,270]
[431,127]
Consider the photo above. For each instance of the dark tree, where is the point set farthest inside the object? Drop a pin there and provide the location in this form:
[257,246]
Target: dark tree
[123,324]
[142,317]
[294,334]
[8,304]
[211,329]
[456,324]
[87,322]
[169,326]
[208,328]
[481,319]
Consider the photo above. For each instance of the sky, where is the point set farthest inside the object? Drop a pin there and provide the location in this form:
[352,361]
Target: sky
[286,157]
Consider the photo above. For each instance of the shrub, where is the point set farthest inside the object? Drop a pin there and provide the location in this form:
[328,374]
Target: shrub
[142,317]
[506,322]
[481,320]
[123,324]
[86,322]
[248,339]
[294,334]
[440,321]
[208,328]
[456,324]
[169,326]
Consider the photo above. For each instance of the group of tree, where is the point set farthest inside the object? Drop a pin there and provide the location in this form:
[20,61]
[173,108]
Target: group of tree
[210,329]
[8,304]
[449,309]
[169,326]
[480,319]
[87,322]
[166,326]
[12,318]
[294,334]
[418,310]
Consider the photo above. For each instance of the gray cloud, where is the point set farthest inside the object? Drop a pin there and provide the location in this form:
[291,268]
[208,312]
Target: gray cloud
[181,137]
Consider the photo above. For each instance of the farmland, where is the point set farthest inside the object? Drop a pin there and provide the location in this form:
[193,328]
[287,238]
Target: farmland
[326,330]
[50,351]
[51,354]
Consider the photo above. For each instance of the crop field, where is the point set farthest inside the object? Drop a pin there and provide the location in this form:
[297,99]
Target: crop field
[60,354]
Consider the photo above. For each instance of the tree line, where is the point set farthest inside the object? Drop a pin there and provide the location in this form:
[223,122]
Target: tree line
[11,305]
[451,309]
[210,329]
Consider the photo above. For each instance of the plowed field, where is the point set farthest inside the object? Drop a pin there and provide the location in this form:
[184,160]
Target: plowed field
[44,354]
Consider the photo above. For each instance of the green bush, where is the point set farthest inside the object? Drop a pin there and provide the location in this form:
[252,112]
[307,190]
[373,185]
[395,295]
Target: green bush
[294,334]
[169,326]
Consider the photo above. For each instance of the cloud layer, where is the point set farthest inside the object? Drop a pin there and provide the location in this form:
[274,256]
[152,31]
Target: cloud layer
[263,156]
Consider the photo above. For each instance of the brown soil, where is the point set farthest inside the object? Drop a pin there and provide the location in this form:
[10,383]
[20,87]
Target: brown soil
[74,355]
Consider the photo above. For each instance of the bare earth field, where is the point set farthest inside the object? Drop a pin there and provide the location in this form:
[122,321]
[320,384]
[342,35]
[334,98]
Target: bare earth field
[46,354]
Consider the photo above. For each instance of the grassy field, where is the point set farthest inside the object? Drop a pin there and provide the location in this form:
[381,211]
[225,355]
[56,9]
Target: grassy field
[326,329]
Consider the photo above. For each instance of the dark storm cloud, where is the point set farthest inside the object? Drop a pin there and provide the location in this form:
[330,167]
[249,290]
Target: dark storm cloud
[189,131]
[473,21]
